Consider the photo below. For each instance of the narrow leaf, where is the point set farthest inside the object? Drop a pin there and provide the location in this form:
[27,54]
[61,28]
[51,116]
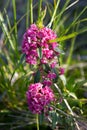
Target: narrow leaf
[66,37]
[37,77]
[63,79]
[54,13]
[31,11]
[41,118]
[46,68]
[59,50]
[57,75]
[5,30]
[27,16]
[15,17]
[63,38]
[39,52]
[22,58]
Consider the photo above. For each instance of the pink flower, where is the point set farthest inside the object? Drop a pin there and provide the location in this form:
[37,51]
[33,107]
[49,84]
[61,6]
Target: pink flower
[47,109]
[35,38]
[53,64]
[44,60]
[47,83]
[61,71]
[31,59]
[51,75]
[48,53]
[39,97]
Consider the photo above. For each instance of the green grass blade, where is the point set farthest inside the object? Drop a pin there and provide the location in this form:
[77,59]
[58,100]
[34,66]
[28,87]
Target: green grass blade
[12,28]
[75,20]
[39,8]
[6,5]
[8,20]
[54,14]
[63,38]
[72,4]
[27,16]
[72,45]
[9,26]
[50,9]
[5,30]
[58,17]
[82,20]
[15,17]
[66,37]
[31,11]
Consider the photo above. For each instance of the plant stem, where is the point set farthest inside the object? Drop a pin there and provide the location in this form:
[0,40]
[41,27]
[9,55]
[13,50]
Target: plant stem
[37,120]
[27,16]
[15,17]
[39,8]
[54,13]
[31,12]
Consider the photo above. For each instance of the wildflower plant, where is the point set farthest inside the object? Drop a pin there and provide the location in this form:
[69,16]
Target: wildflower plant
[35,82]
[39,52]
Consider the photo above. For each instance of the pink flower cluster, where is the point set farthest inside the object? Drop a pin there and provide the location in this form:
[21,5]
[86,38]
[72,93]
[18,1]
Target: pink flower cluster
[38,49]
[35,38]
[38,97]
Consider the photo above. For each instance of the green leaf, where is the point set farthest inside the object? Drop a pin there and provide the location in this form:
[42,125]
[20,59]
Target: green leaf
[81,83]
[54,117]
[15,16]
[83,100]
[74,102]
[37,77]
[63,79]
[69,36]
[54,14]
[59,51]
[27,16]
[41,118]
[72,95]
[31,11]
[57,75]
[3,59]
[63,38]
[22,58]
[40,52]
[6,31]
[46,68]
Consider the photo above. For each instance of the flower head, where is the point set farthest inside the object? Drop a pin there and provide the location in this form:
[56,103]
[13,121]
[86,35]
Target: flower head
[38,97]
[35,38]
